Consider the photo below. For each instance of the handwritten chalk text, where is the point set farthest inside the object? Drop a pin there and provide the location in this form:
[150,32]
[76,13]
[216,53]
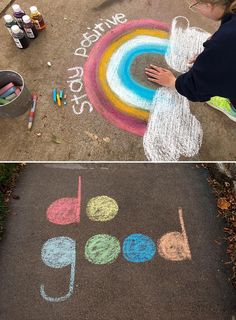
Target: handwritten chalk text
[75,78]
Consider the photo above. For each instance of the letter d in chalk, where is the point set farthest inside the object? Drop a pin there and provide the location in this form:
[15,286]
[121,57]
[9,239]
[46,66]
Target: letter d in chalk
[174,246]
[65,210]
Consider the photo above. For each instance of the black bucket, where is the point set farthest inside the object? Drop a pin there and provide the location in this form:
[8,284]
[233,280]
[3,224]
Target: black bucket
[19,104]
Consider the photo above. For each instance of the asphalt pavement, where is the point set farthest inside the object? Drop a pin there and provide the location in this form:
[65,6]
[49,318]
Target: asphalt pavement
[108,241]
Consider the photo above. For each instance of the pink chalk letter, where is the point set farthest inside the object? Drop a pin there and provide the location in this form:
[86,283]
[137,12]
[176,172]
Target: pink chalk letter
[65,210]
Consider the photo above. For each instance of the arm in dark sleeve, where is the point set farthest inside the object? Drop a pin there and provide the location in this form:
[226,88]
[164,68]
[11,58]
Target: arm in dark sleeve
[204,79]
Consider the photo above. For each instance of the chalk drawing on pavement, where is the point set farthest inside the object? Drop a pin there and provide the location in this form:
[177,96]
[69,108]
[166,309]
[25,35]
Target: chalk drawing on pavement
[58,253]
[185,44]
[174,246]
[101,249]
[75,79]
[65,210]
[102,208]
[138,248]
[109,84]
[172,130]
[122,100]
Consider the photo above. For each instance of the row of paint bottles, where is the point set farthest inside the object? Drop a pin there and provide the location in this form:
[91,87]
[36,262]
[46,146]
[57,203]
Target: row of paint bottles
[35,15]
[18,35]
[23,21]
[16,32]
[27,25]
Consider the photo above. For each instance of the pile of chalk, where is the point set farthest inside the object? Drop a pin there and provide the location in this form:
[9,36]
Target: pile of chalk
[9,92]
[23,27]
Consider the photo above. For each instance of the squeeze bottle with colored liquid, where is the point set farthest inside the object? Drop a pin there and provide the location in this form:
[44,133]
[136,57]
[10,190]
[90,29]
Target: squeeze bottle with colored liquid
[18,13]
[37,18]
[9,22]
[29,27]
[19,37]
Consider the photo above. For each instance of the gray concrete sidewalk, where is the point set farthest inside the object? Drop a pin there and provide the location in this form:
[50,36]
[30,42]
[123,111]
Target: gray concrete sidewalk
[148,197]
[89,136]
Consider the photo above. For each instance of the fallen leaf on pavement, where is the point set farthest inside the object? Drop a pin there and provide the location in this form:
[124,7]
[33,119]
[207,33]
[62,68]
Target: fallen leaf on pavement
[223,204]
[55,139]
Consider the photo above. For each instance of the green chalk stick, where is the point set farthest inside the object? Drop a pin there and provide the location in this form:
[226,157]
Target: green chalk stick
[3,101]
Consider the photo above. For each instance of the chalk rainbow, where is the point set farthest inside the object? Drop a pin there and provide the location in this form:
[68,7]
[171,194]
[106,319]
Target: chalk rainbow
[109,84]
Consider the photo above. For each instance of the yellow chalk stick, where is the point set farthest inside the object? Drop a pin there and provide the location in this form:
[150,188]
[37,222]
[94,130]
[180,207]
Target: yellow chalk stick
[58,100]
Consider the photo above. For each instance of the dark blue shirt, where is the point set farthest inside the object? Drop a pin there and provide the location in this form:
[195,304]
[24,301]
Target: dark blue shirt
[214,71]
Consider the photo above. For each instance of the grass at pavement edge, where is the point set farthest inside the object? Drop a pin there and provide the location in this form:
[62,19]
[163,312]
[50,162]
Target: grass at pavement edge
[8,175]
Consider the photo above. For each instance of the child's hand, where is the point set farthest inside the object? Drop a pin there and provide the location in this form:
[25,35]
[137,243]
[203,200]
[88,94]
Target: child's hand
[161,76]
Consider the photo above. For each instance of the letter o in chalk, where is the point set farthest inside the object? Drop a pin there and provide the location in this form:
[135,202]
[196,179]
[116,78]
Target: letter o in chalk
[102,208]
[174,246]
[102,249]
[138,248]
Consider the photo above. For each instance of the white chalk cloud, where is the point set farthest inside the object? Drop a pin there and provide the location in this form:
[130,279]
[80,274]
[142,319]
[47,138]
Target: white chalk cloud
[185,43]
[172,130]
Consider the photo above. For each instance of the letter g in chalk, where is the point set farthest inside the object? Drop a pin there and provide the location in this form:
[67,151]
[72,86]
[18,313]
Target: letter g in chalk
[58,253]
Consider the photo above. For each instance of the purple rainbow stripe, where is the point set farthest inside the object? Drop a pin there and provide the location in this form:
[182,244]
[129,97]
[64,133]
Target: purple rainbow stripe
[94,91]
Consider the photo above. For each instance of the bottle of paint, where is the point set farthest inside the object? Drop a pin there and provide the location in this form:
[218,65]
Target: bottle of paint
[37,18]
[18,13]
[9,22]
[29,27]
[19,37]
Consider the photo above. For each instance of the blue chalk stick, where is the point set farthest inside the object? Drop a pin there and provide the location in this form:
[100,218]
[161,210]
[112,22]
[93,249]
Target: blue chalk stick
[8,92]
[54,92]
[61,94]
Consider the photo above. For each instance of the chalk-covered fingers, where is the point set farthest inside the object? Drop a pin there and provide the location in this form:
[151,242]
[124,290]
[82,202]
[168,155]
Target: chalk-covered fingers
[159,69]
[151,73]
[161,76]
[155,70]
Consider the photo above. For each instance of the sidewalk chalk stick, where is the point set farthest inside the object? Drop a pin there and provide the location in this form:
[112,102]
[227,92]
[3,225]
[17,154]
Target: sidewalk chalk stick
[54,92]
[11,97]
[6,87]
[61,94]
[18,91]
[58,100]
[8,92]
